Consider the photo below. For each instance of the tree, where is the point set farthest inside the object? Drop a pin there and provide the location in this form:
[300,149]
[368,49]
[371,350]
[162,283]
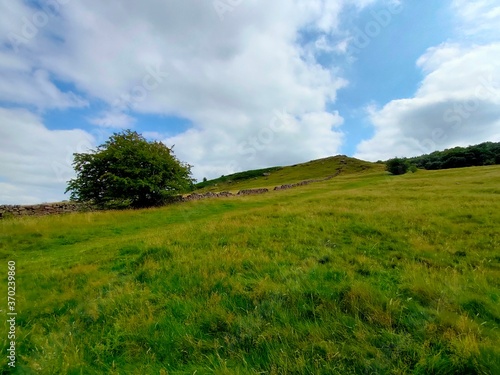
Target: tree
[487,153]
[397,166]
[128,171]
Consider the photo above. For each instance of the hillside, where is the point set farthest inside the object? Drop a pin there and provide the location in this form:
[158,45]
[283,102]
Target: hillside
[365,273]
[271,177]
[487,153]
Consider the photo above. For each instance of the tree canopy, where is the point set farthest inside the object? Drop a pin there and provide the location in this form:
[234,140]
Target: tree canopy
[128,171]
[487,153]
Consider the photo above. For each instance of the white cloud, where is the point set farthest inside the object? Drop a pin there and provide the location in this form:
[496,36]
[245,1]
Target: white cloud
[458,103]
[35,162]
[436,56]
[24,81]
[172,58]
[178,58]
[34,88]
[282,139]
[113,120]
[478,18]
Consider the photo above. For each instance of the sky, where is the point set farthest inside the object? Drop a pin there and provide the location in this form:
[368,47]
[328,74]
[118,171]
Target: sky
[241,84]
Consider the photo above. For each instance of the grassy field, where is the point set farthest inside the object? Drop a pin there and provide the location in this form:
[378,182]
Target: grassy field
[314,169]
[362,274]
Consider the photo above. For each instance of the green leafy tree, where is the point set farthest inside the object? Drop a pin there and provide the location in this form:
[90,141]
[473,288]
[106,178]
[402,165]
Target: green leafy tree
[397,166]
[128,171]
[487,153]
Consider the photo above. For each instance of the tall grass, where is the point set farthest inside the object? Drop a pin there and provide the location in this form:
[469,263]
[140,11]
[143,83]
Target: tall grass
[361,274]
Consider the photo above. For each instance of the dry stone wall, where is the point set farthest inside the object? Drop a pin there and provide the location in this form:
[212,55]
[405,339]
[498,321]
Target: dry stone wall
[253,191]
[307,182]
[65,207]
[196,196]
[38,209]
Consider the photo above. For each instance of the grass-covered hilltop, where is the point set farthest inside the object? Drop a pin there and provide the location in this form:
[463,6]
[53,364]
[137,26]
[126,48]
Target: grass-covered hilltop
[362,273]
[275,176]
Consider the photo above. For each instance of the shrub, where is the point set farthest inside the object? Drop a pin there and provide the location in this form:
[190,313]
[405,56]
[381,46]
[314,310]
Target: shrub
[397,166]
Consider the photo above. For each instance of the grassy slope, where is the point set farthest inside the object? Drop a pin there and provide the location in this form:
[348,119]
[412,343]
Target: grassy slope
[360,274]
[314,169]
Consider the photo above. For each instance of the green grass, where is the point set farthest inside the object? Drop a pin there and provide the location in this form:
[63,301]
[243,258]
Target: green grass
[315,169]
[362,274]
[236,177]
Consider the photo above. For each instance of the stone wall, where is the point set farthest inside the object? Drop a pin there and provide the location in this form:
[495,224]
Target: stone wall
[196,196]
[253,191]
[64,207]
[307,182]
[38,209]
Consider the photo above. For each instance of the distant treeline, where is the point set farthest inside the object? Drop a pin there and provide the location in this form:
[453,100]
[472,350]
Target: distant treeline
[236,177]
[487,153]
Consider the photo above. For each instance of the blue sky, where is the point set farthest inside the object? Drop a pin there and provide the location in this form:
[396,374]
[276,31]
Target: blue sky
[241,84]
[372,75]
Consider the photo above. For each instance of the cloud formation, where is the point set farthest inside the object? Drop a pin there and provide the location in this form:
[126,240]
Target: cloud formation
[457,103]
[170,58]
[35,162]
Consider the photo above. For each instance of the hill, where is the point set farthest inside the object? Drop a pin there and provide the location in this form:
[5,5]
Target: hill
[271,177]
[363,273]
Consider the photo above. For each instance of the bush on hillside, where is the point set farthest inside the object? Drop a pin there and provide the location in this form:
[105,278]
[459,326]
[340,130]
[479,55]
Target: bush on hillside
[397,166]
